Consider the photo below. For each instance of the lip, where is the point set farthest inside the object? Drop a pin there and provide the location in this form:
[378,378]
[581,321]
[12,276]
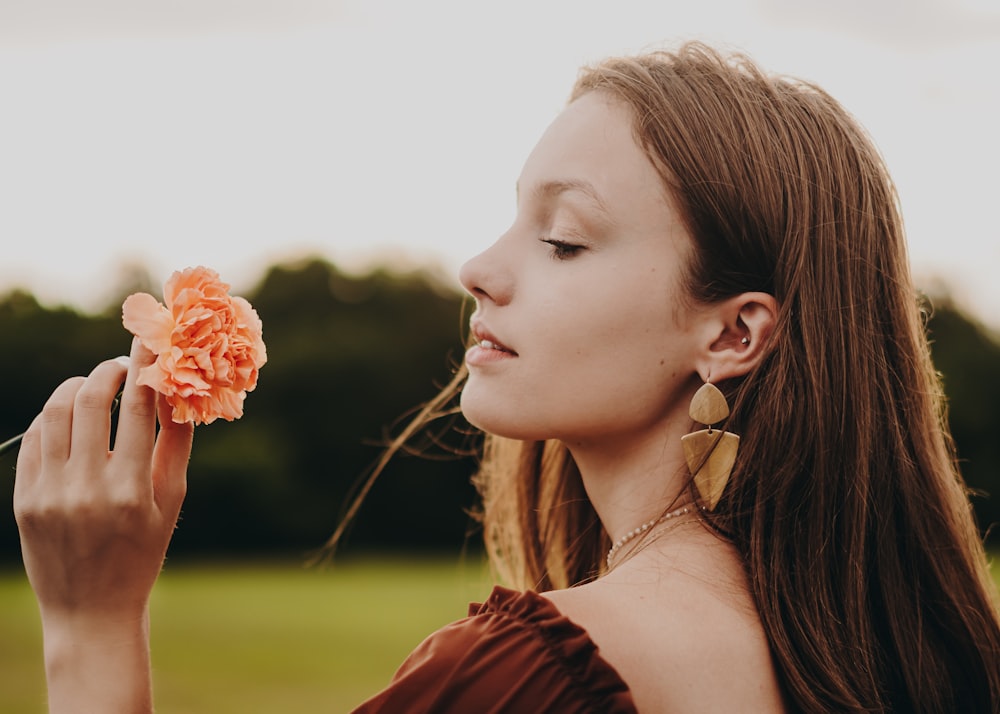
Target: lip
[488,347]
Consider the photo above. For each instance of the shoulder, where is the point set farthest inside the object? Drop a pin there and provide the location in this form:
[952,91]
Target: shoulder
[682,641]
[515,652]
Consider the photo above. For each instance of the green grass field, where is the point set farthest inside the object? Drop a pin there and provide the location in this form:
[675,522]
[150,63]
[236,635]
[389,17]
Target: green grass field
[265,637]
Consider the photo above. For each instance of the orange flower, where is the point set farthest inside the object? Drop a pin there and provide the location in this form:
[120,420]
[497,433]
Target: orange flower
[208,345]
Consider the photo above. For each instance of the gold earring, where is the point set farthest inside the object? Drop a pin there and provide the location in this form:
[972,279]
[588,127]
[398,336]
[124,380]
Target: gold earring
[710,453]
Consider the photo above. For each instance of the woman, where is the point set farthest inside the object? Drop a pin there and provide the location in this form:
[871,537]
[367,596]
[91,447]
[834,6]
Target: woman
[686,221]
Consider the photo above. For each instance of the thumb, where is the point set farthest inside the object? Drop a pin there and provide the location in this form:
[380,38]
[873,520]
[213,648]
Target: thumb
[170,460]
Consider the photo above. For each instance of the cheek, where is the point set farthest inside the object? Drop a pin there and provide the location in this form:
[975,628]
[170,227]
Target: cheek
[632,358]
[591,360]
[628,330]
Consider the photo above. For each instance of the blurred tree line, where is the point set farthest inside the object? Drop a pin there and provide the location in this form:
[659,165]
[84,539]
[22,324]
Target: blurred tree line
[350,358]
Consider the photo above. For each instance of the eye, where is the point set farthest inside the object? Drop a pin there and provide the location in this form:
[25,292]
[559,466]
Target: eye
[562,250]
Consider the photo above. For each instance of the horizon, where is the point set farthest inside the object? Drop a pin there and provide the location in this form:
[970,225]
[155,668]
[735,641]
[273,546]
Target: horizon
[136,134]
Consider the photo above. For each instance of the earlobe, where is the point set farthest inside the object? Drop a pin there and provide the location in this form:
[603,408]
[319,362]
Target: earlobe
[743,330]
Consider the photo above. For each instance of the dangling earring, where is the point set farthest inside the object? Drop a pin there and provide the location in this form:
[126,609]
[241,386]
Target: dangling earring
[710,454]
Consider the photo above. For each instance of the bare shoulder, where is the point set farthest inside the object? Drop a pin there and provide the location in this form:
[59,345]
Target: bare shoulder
[682,639]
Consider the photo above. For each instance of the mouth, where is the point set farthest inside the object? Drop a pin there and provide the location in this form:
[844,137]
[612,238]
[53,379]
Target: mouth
[491,345]
[486,340]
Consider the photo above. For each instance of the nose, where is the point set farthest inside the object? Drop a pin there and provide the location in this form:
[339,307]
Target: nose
[487,276]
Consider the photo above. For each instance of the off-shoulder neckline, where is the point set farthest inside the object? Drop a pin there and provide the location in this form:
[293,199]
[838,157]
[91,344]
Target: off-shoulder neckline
[569,642]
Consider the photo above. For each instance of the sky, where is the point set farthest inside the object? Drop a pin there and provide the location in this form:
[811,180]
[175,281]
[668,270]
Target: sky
[237,134]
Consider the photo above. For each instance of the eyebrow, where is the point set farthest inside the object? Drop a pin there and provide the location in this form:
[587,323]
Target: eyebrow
[553,189]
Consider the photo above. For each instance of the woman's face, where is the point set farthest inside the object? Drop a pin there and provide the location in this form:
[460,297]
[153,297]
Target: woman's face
[581,327]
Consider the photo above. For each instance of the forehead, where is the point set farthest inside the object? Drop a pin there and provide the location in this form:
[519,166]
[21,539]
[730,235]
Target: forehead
[590,152]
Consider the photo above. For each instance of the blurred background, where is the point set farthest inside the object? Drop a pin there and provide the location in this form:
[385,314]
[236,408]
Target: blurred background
[337,162]
[348,356]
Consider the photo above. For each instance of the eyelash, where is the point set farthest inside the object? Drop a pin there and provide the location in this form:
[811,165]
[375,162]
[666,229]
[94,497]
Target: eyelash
[562,250]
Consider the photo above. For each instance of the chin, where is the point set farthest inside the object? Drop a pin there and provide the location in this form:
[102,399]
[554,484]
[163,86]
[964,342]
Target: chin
[495,418]
[477,412]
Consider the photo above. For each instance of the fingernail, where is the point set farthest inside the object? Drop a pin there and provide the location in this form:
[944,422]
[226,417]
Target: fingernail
[124,360]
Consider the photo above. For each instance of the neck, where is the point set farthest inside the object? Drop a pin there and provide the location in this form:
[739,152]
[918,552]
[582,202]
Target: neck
[631,483]
[629,538]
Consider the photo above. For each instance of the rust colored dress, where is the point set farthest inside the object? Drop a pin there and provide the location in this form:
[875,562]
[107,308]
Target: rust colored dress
[515,653]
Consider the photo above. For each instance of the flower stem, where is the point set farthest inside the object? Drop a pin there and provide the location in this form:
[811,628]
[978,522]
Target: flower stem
[10,444]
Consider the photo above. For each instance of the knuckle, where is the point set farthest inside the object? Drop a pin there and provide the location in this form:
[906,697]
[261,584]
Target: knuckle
[129,510]
[34,514]
[60,404]
[126,500]
[27,520]
[56,411]
[142,408]
[124,496]
[89,400]
[78,503]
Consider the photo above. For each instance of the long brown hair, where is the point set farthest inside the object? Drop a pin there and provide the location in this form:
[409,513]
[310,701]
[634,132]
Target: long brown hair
[845,503]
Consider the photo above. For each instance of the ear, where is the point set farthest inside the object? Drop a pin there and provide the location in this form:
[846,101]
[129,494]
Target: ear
[737,334]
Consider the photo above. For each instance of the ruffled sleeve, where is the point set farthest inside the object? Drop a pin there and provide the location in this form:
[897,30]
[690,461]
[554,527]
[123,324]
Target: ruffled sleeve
[514,653]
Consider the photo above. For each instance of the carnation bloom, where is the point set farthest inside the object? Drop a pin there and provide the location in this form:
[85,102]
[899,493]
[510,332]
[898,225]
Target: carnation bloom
[208,345]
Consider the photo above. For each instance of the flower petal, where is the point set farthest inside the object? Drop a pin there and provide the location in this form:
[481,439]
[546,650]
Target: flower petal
[148,320]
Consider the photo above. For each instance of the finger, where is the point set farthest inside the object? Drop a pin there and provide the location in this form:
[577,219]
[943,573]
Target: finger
[56,423]
[92,410]
[136,420]
[29,464]
[170,460]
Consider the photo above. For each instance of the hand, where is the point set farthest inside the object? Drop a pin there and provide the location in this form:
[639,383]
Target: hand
[95,524]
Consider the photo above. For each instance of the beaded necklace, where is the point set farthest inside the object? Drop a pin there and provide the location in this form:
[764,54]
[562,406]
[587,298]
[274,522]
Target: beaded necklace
[638,531]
